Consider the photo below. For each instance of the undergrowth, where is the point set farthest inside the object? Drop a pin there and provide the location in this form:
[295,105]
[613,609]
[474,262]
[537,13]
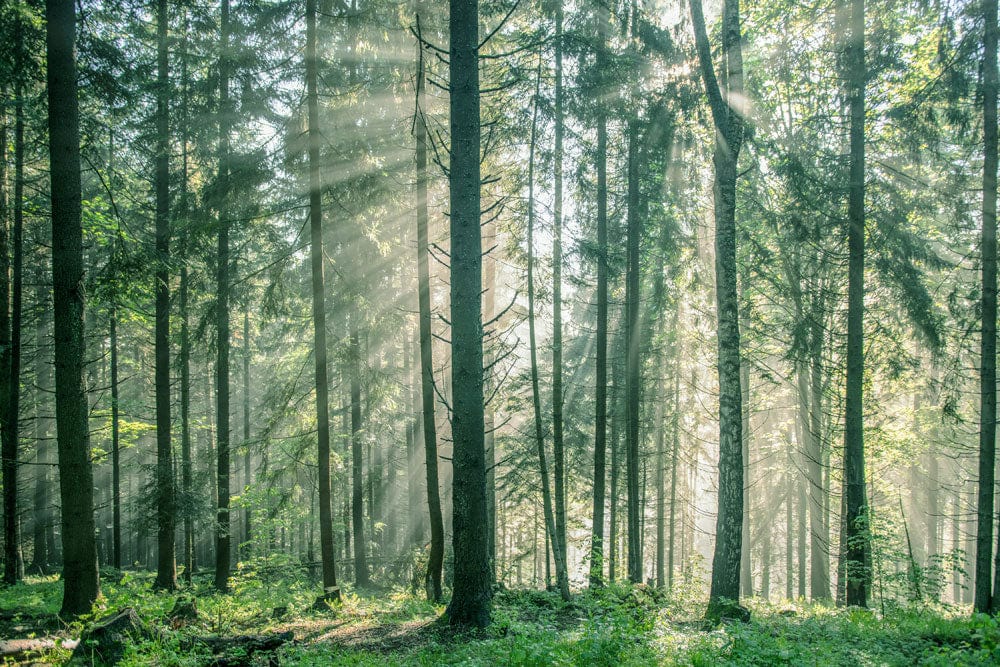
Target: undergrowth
[614,625]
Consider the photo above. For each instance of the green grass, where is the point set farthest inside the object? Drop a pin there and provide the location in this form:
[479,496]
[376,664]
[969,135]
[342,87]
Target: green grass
[618,625]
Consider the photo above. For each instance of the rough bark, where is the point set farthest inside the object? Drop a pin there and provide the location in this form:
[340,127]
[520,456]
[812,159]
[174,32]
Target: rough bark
[81,585]
[471,599]
[319,307]
[600,347]
[988,344]
[857,556]
[223,525]
[435,560]
[633,376]
[725,586]
[357,464]
[558,455]
[166,569]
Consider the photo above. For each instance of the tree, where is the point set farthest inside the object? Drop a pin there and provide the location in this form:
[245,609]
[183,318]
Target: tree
[601,335]
[319,313]
[471,597]
[552,529]
[857,557]
[81,585]
[222,521]
[728,121]
[435,560]
[988,344]
[166,569]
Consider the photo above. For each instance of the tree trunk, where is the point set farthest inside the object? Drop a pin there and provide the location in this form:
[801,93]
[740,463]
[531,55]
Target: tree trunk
[81,585]
[471,599]
[728,141]
[675,441]
[116,496]
[247,454]
[223,524]
[41,555]
[746,571]
[326,548]
[435,561]
[166,568]
[857,558]
[357,464]
[558,455]
[633,379]
[185,342]
[562,579]
[601,346]
[988,346]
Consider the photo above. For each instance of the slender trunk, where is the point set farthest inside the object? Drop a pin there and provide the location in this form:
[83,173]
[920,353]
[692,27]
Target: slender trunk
[166,568]
[116,496]
[41,556]
[357,461]
[857,558]
[223,524]
[435,561]
[615,474]
[8,382]
[247,457]
[988,347]
[562,579]
[633,337]
[185,342]
[819,548]
[471,599]
[601,348]
[81,585]
[558,455]
[675,441]
[327,554]
[789,550]
[746,571]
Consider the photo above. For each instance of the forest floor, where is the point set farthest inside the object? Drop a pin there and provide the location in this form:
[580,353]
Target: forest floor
[618,625]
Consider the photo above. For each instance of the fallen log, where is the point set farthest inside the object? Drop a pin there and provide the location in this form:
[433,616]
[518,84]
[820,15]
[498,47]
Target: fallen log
[238,651]
[16,648]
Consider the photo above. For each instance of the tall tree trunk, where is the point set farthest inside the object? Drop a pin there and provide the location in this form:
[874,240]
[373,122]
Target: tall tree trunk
[988,345]
[223,524]
[326,549]
[116,495]
[247,454]
[562,579]
[558,455]
[435,560]
[471,599]
[633,338]
[81,585]
[857,558]
[166,568]
[601,345]
[42,516]
[675,441]
[357,464]
[789,550]
[728,141]
[819,549]
[746,571]
[13,563]
[185,342]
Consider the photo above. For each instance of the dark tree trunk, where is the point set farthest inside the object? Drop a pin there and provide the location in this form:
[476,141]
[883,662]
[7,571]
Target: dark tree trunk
[223,525]
[81,585]
[247,454]
[601,347]
[42,534]
[326,549]
[746,571]
[13,563]
[357,464]
[471,600]
[116,494]
[633,379]
[185,342]
[857,558]
[558,455]
[988,346]
[166,569]
[435,561]
[728,141]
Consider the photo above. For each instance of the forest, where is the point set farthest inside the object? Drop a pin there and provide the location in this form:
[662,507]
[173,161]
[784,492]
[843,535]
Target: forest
[526,332]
